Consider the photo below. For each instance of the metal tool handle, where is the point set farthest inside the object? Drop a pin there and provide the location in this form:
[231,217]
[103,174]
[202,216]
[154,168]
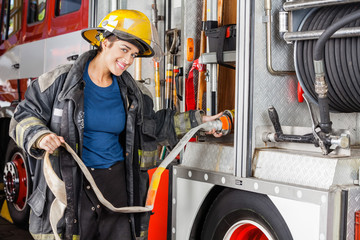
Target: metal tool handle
[274,117]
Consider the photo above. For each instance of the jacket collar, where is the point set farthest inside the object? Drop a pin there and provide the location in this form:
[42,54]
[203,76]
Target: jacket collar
[133,89]
[75,74]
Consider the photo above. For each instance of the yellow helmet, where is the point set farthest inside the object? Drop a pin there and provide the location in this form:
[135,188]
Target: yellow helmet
[128,25]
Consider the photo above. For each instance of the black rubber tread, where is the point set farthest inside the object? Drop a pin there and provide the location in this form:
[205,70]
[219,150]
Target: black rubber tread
[233,205]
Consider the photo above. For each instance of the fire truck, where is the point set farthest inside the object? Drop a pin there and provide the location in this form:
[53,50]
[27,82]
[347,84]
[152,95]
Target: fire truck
[290,167]
[31,35]
[35,37]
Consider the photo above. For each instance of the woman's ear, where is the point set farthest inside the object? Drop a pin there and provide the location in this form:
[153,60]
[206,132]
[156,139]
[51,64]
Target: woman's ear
[105,43]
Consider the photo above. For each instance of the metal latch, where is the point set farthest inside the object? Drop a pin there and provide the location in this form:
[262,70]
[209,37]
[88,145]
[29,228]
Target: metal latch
[357,181]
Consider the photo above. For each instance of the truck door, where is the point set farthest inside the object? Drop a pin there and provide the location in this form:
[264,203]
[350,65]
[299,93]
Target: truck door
[67,16]
[10,22]
[10,35]
[36,23]
[52,32]
[64,42]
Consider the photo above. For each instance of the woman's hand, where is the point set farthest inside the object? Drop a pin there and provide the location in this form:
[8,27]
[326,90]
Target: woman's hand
[212,118]
[50,142]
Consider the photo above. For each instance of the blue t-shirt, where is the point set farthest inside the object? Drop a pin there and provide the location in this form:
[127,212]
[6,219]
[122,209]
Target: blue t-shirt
[104,120]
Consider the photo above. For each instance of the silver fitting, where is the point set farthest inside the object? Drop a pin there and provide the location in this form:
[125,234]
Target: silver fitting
[319,67]
[267,5]
[356,181]
[343,141]
[321,87]
[268,137]
[216,124]
[283,22]
[223,124]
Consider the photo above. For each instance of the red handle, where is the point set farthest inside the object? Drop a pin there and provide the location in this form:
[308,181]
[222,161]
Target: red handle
[300,92]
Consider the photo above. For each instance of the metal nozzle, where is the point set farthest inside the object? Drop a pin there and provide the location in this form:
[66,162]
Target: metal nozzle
[343,141]
[223,124]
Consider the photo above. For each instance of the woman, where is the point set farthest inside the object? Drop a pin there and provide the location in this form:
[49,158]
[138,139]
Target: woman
[99,110]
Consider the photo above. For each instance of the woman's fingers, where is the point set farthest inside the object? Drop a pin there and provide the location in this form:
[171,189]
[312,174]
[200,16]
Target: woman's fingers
[214,133]
[51,142]
[61,139]
[212,118]
[206,118]
[217,134]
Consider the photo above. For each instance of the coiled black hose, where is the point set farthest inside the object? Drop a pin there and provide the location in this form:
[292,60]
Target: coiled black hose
[341,58]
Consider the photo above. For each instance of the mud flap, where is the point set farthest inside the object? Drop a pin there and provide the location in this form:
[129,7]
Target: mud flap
[5,212]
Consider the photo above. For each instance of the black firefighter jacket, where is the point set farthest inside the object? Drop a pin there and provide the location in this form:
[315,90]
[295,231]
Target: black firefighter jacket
[54,103]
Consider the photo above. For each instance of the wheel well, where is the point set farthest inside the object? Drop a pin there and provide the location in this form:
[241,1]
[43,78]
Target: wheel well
[4,141]
[219,192]
[204,209]
[234,205]
[4,132]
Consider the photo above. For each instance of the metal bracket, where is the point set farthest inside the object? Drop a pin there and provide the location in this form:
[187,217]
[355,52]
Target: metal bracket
[357,181]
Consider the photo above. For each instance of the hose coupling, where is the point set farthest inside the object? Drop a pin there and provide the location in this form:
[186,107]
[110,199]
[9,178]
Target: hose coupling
[223,124]
[321,87]
[343,141]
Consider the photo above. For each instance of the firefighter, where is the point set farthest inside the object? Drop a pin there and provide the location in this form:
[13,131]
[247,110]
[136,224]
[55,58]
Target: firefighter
[108,119]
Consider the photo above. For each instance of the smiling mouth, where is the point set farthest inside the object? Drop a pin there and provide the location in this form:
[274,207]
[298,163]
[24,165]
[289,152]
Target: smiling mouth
[121,65]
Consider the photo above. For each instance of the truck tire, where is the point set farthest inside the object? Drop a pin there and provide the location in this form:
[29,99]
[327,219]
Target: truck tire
[17,184]
[244,215]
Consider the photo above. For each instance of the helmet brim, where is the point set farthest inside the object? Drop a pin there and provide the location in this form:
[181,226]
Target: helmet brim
[91,35]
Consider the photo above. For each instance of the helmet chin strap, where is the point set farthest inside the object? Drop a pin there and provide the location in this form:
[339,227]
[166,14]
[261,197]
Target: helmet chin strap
[101,37]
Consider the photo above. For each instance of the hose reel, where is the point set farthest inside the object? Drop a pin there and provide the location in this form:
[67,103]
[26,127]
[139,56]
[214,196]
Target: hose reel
[341,59]
[329,73]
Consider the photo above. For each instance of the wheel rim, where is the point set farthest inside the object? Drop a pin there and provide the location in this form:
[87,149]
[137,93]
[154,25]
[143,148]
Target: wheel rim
[247,230]
[15,181]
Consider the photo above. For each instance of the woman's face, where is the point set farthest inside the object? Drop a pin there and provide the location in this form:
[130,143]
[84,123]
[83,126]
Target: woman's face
[119,55]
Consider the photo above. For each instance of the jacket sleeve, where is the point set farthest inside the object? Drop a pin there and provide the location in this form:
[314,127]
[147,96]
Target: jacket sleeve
[171,125]
[32,116]
[164,127]
[167,125]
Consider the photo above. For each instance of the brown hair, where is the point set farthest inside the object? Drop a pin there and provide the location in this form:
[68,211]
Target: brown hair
[111,38]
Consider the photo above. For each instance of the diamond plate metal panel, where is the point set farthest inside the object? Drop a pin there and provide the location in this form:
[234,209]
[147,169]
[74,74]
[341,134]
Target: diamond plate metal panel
[281,91]
[312,170]
[192,27]
[213,157]
[353,206]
